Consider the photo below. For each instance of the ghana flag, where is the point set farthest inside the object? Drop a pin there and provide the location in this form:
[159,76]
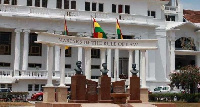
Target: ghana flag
[119,32]
[65,32]
[98,31]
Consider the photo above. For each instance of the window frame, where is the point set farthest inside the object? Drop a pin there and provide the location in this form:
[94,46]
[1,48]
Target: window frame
[127,7]
[73,4]
[33,45]
[95,6]
[59,4]
[5,45]
[29,3]
[37,4]
[31,87]
[101,10]
[44,3]
[87,6]
[66,4]
[114,8]
[68,52]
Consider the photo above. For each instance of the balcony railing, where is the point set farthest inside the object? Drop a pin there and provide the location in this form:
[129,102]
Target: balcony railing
[5,73]
[13,10]
[171,9]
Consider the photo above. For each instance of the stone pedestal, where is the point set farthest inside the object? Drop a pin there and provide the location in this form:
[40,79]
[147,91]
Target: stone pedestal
[104,90]
[61,94]
[92,96]
[49,94]
[78,89]
[144,95]
[134,90]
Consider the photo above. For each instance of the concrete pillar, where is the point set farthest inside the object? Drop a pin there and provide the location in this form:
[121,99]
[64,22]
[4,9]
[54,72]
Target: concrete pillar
[80,54]
[50,66]
[172,55]
[62,66]
[103,57]
[130,62]
[26,50]
[17,49]
[57,58]
[116,65]
[143,69]
[88,63]
[109,62]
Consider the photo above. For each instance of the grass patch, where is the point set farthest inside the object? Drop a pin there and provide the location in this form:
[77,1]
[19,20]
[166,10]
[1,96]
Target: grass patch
[187,104]
[8,104]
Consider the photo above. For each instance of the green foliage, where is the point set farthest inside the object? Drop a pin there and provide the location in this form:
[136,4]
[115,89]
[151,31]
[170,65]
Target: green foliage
[8,96]
[171,97]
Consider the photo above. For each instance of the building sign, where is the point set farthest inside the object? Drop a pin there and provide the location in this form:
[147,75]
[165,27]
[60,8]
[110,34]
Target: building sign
[73,41]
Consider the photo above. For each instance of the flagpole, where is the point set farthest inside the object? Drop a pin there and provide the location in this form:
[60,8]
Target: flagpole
[91,25]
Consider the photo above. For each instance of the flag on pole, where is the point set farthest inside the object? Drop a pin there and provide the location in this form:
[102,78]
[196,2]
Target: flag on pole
[65,32]
[98,31]
[118,30]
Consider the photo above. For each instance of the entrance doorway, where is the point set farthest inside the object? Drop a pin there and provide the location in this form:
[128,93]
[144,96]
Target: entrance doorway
[123,68]
[184,60]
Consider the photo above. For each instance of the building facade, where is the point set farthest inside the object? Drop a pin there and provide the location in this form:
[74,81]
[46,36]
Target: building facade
[23,63]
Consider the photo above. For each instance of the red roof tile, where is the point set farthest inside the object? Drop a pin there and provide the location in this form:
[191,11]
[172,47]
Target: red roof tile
[192,16]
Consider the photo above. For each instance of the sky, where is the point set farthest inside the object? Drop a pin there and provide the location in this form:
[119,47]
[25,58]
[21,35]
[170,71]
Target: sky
[191,4]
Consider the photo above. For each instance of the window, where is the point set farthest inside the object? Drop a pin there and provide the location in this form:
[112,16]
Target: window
[35,49]
[95,53]
[41,87]
[10,86]
[87,6]
[14,2]
[128,37]
[34,65]
[66,4]
[68,52]
[36,87]
[68,66]
[3,64]
[94,6]
[6,2]
[73,4]
[114,8]
[95,66]
[3,85]
[44,3]
[170,18]
[120,8]
[5,43]
[30,87]
[95,77]
[127,9]
[37,3]
[100,7]
[152,13]
[29,2]
[59,4]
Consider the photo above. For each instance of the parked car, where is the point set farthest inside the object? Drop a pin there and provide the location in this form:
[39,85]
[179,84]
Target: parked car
[37,96]
[162,89]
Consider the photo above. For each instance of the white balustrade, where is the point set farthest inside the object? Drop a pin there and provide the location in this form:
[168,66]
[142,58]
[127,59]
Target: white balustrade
[5,73]
[70,73]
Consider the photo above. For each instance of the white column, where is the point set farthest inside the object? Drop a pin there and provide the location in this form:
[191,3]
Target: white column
[143,69]
[10,2]
[57,58]
[50,66]
[130,62]
[172,55]
[109,60]
[40,3]
[17,49]
[137,61]
[116,65]
[47,50]
[103,57]
[62,4]
[2,1]
[88,63]
[80,54]
[62,66]
[33,2]
[26,50]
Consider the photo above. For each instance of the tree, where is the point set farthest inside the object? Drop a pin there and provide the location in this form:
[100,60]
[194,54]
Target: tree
[188,78]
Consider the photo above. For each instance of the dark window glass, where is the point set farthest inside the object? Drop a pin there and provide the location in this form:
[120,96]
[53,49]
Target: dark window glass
[114,8]
[68,66]
[95,77]
[68,52]
[59,4]
[5,43]
[94,6]
[14,2]
[95,66]
[100,7]
[30,87]
[37,3]
[3,86]
[41,87]
[120,8]
[29,2]
[153,13]
[127,37]
[95,53]
[10,86]
[36,87]
[127,9]
[3,64]
[44,3]
[66,4]
[73,4]
[170,18]
[148,13]
[6,2]
[35,49]
[34,65]
[87,6]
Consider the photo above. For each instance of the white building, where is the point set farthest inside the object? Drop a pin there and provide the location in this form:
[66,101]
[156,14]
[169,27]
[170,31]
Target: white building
[23,63]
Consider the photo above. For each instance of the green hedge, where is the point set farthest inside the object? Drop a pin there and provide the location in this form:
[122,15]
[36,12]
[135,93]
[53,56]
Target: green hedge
[18,96]
[171,97]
